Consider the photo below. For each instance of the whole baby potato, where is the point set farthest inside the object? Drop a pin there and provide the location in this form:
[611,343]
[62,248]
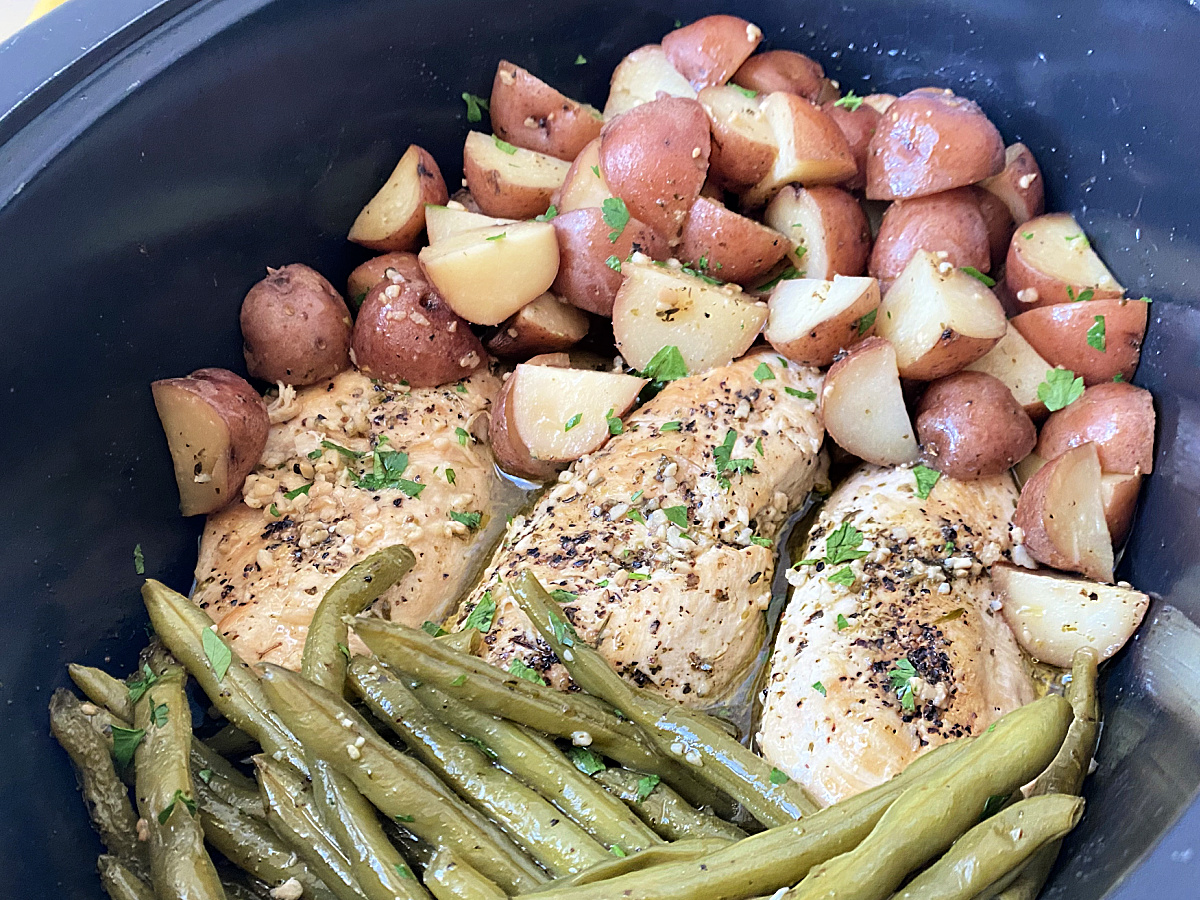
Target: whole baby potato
[949,222]
[295,327]
[970,426]
[374,270]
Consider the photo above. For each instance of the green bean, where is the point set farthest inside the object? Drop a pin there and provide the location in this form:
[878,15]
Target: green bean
[103,690]
[493,691]
[180,624]
[166,796]
[658,855]
[995,847]
[463,641]
[290,811]
[550,838]
[120,882]
[449,878]
[106,798]
[221,778]
[231,741]
[398,785]
[715,756]
[664,810]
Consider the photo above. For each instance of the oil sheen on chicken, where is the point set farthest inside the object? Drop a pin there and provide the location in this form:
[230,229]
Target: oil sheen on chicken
[660,544]
[865,677]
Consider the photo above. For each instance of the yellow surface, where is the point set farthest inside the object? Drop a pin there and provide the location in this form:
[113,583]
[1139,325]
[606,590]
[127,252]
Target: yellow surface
[44,6]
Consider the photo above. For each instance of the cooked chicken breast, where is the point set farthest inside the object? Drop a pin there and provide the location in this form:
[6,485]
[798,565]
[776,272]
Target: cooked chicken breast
[266,562]
[662,539]
[835,716]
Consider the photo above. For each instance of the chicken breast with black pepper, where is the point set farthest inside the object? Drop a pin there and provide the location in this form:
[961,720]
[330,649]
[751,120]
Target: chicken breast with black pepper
[889,644]
[352,467]
[661,543]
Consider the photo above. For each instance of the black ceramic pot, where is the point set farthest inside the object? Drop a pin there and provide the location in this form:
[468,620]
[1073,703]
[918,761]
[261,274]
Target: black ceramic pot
[153,162]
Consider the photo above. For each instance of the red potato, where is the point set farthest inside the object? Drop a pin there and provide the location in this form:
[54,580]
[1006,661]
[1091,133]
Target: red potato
[812,148]
[939,318]
[395,216]
[1050,261]
[584,185]
[859,125]
[828,229]
[655,158]
[659,306]
[643,76]
[732,247]
[295,327]
[708,51]
[546,325]
[811,321]
[1116,417]
[1061,512]
[589,269]
[1019,186]
[1061,334]
[931,141]
[831,92]
[881,103]
[971,427]
[508,181]
[216,426]
[527,112]
[782,70]
[406,331]
[999,225]
[1015,363]
[373,271]
[863,406]
[1119,493]
[949,223]
[442,222]
[743,144]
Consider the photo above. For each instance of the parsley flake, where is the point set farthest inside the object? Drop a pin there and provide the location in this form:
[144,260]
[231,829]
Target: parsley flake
[676,515]
[205,775]
[139,561]
[646,785]
[480,618]
[497,237]
[761,541]
[850,102]
[1096,337]
[843,576]
[179,797]
[342,451]
[899,677]
[666,365]
[586,761]
[841,622]
[926,479]
[614,263]
[616,216]
[459,681]
[1060,389]
[596,171]
[1082,297]
[723,454]
[217,651]
[450,476]
[763,373]
[476,106]
[563,632]
[580,60]
[615,425]
[404,820]
[433,629]
[518,668]
[293,494]
[564,596]
[758,447]
[470,519]
[985,280]
[842,545]
[778,777]
[549,214]
[125,742]
[639,576]
[141,684]
[803,395]
[745,92]
[617,851]
[573,421]
[867,320]
[786,275]
[158,714]
[504,146]
[819,688]
[481,746]
[462,436]
[273,510]
[670,426]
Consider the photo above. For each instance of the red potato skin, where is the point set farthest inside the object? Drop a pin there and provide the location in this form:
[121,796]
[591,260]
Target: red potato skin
[584,277]
[655,158]
[1115,416]
[949,222]
[560,126]
[1120,507]
[737,249]
[495,199]
[782,70]
[1059,334]
[1031,288]
[708,51]
[846,230]
[510,453]
[859,126]
[931,141]
[970,427]
[373,271]
[1020,186]
[999,224]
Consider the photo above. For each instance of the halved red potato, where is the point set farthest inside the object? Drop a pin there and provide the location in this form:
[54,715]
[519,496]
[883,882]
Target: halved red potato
[881,103]
[929,141]
[999,225]
[949,223]
[546,325]
[782,70]
[1050,261]
[546,416]
[488,274]
[743,145]
[1019,186]
[810,320]
[1053,615]
[939,318]
[859,124]
[442,222]
[365,276]
[1115,416]
[658,306]
[828,229]
[527,112]
[655,158]
[708,51]
[1061,512]
[812,148]
[863,406]
[394,217]
[640,77]
[728,246]
[509,181]
[216,426]
[1014,362]
[1070,335]
[584,185]
[1119,493]
[590,263]
[971,427]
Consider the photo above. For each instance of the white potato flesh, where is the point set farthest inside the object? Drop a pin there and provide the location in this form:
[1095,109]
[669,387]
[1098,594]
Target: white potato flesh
[561,414]
[810,320]
[1014,362]
[488,274]
[585,186]
[1058,248]
[395,205]
[939,318]
[863,406]
[796,214]
[1070,509]
[200,446]
[443,222]
[659,306]
[807,153]
[520,168]
[1053,615]
[640,76]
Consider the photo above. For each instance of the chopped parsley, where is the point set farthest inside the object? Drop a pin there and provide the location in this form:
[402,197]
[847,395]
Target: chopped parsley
[387,467]
[357,300]
[1096,338]
[518,668]
[580,60]
[315,454]
[803,395]
[614,263]
[293,494]
[474,107]
[596,171]
[778,777]
[985,280]
[841,622]
[274,510]
[470,519]
[761,541]
[459,388]
[636,515]
[158,714]
[763,373]
[563,632]
[1082,297]
[459,681]
[344,650]
[786,275]
[899,678]
[573,421]
[843,576]
[462,435]
[1118,377]
[481,746]
[867,320]
[504,146]
[646,785]
[1028,235]
[993,805]
[758,447]
[745,92]
[615,425]
[616,216]
[617,851]
[1060,389]
[433,629]
[403,820]
[125,742]
[1081,237]
[480,618]
[344,451]
[819,688]
[410,488]
[670,426]
[141,684]
[926,479]
[139,561]
[450,476]
[666,365]
[217,651]
[179,797]
[586,761]
[550,213]
[842,545]
[676,515]
[723,454]
[850,102]
[205,775]
[497,237]
[639,576]
[564,596]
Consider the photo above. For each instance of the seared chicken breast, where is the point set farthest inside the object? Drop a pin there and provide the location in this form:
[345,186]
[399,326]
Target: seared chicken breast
[351,467]
[882,657]
[660,544]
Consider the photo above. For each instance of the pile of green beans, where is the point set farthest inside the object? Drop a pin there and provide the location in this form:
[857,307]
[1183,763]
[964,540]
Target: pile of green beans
[484,800]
